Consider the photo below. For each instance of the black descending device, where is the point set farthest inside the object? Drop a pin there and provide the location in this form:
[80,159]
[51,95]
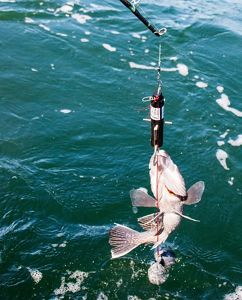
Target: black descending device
[157,118]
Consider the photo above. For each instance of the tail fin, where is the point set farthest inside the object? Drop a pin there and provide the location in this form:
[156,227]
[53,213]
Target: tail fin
[123,240]
[140,197]
[195,193]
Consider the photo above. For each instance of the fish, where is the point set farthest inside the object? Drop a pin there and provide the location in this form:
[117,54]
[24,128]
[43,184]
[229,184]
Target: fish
[168,186]
[158,272]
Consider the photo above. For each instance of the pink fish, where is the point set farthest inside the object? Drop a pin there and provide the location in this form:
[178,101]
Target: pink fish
[168,187]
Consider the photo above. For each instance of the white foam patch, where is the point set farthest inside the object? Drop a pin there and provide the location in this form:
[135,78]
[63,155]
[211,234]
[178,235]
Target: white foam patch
[220,89]
[237,295]
[68,284]
[182,69]
[109,47]
[222,157]
[83,40]
[173,58]
[99,7]
[60,234]
[133,297]
[66,8]
[231,181]
[201,84]
[63,245]
[224,134]
[220,143]
[35,274]
[119,283]
[237,142]
[224,102]
[82,19]
[65,111]
[135,209]
[136,35]
[133,65]
[34,70]
[147,51]
[8,1]
[61,34]
[28,20]
[44,27]
[115,32]
[102,296]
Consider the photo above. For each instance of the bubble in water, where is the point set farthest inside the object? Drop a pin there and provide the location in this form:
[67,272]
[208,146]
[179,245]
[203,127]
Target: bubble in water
[102,296]
[133,298]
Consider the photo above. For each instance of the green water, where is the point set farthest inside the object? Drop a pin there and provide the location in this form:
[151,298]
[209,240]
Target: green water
[73,144]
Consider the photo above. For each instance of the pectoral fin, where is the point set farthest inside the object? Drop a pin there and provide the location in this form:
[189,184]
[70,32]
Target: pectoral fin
[140,197]
[194,194]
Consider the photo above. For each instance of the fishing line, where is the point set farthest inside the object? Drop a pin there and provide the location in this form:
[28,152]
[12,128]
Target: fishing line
[157,101]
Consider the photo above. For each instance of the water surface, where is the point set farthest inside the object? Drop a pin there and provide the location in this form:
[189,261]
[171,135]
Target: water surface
[73,143]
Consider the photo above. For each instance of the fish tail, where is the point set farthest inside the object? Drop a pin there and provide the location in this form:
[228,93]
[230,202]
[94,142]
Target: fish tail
[123,239]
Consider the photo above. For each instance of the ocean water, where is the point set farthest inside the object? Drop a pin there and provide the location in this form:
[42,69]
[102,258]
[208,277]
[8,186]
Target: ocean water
[73,143]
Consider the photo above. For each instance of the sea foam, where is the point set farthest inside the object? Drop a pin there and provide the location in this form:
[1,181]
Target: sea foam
[224,102]
[237,295]
[222,157]
[237,142]
[109,47]
[68,284]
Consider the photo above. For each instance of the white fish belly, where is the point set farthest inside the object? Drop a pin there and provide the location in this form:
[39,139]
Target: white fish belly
[171,221]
